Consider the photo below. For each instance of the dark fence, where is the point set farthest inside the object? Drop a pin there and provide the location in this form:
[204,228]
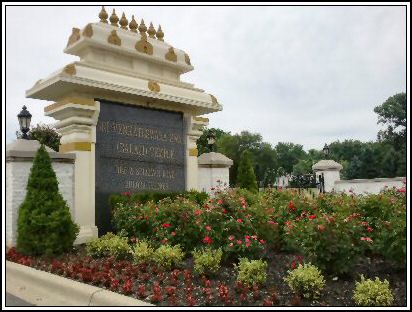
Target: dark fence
[307,181]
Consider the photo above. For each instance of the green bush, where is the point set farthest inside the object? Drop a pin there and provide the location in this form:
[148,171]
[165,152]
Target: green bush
[331,230]
[306,280]
[372,293]
[44,224]
[331,242]
[134,219]
[143,252]
[175,223]
[251,272]
[109,245]
[145,197]
[389,234]
[233,224]
[266,228]
[45,134]
[184,222]
[168,256]
[207,261]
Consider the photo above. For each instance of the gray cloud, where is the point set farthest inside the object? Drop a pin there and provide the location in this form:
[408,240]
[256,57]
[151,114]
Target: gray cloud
[307,75]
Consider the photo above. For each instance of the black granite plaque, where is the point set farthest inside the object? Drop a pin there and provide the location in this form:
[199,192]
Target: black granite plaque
[137,149]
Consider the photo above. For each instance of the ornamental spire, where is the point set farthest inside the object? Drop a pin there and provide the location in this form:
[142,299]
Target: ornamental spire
[133,25]
[151,31]
[103,16]
[142,28]
[160,34]
[123,22]
[114,19]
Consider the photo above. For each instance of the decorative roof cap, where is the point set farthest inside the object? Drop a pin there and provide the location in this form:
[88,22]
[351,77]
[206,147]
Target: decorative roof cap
[213,159]
[327,165]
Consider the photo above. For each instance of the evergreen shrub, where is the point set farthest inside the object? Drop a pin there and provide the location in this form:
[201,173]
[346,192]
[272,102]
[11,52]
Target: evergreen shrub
[44,224]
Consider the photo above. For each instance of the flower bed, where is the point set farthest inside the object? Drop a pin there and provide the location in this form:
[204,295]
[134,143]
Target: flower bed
[259,238]
[182,287]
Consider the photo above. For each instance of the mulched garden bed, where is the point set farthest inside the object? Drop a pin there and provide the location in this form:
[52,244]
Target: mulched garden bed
[181,287]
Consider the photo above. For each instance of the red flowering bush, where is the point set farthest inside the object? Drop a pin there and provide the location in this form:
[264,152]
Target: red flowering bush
[228,221]
[174,222]
[275,208]
[330,242]
[378,207]
[330,229]
[389,230]
[337,203]
[134,219]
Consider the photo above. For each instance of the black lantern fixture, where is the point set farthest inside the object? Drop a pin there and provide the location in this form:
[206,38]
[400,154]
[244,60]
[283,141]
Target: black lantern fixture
[24,121]
[211,140]
[326,150]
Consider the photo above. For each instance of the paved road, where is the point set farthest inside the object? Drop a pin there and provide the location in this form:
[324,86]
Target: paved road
[13,301]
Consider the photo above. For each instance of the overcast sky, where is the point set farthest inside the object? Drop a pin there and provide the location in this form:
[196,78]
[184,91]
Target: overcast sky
[307,75]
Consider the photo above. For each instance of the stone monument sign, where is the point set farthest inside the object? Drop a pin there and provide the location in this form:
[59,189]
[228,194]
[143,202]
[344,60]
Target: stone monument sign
[124,112]
[137,149]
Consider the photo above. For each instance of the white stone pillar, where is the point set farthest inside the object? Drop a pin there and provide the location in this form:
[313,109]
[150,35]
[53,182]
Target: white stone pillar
[194,127]
[77,125]
[331,173]
[213,171]
[19,160]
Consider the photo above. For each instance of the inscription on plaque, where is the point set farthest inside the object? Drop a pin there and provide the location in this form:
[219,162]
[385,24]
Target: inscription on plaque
[137,149]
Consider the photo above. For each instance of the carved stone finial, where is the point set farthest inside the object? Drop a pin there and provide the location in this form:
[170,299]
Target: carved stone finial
[74,36]
[103,16]
[187,59]
[114,38]
[160,34]
[171,55]
[151,31]
[142,28]
[123,22]
[70,69]
[88,31]
[114,19]
[214,99]
[133,25]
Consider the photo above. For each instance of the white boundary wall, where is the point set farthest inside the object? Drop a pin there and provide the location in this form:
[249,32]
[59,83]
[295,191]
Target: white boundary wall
[371,186]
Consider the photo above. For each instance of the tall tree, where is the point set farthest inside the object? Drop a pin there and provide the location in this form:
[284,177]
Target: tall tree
[288,155]
[202,145]
[392,113]
[246,176]
[303,166]
[233,145]
[371,162]
[353,170]
[389,165]
[265,164]
[45,134]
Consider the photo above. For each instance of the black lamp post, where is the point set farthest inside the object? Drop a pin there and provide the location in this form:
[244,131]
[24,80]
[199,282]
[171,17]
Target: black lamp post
[211,140]
[24,121]
[326,150]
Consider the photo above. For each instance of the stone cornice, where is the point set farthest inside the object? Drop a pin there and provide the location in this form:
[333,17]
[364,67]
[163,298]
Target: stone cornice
[52,88]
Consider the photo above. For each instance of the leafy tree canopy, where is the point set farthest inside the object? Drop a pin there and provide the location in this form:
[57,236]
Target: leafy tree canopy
[45,134]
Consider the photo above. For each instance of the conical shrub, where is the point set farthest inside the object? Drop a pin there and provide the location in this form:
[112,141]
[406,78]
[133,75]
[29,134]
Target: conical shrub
[44,224]
[246,177]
